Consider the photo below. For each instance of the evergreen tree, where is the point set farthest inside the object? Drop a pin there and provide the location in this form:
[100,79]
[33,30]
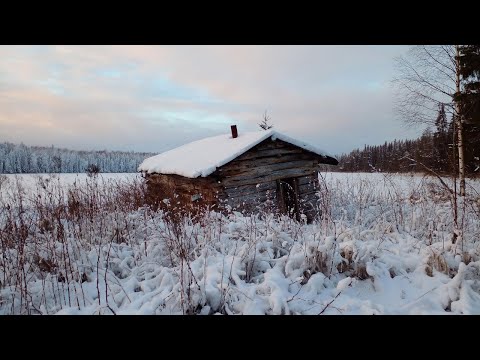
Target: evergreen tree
[440,142]
[469,95]
[264,124]
[468,101]
[15,159]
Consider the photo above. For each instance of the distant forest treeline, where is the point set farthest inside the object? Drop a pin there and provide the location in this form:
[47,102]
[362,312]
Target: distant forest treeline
[434,149]
[18,159]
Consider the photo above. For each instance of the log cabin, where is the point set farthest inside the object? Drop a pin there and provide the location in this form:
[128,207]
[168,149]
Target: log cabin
[250,172]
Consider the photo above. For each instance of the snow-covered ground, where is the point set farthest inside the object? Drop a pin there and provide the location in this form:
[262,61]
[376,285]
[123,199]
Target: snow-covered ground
[30,181]
[383,245]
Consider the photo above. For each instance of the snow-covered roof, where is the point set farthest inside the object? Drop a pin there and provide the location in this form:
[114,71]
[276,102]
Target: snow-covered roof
[203,157]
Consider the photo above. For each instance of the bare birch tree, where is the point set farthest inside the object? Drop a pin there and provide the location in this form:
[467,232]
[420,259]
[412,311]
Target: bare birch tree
[459,122]
[428,77]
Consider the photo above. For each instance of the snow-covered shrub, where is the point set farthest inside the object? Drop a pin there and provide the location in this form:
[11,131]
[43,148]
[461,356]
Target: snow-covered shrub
[380,244]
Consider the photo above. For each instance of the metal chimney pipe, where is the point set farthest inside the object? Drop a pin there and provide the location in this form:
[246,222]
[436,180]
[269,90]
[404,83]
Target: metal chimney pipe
[234,131]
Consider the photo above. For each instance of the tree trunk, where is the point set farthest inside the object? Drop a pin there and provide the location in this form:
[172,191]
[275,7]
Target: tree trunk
[458,119]
[454,174]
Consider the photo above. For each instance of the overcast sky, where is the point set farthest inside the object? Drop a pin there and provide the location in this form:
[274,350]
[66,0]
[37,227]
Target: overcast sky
[154,98]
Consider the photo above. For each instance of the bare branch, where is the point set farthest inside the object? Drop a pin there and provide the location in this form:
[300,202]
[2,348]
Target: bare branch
[430,170]
[450,54]
[424,81]
[450,69]
[331,302]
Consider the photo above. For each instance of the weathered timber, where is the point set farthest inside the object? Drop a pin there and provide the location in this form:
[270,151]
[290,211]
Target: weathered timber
[281,197]
[297,194]
[272,176]
[251,203]
[309,202]
[250,189]
[241,171]
[306,189]
[266,161]
[247,199]
[258,195]
[250,182]
[309,196]
[185,191]
[312,179]
[269,153]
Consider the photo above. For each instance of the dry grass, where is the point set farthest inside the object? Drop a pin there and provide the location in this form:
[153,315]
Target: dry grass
[436,261]
[45,233]
[64,236]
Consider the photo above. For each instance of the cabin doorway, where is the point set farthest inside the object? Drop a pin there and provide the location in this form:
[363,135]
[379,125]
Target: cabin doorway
[287,190]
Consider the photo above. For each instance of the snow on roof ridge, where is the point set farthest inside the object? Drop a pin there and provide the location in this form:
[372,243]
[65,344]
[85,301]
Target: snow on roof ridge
[202,157]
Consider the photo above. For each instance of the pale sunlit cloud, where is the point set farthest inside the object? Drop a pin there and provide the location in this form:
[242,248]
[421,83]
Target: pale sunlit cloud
[152,98]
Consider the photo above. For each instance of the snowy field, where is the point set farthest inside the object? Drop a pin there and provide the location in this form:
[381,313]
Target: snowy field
[30,181]
[382,244]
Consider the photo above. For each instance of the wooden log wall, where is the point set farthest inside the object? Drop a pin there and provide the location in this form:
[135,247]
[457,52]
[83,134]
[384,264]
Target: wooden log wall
[183,191]
[250,180]
[267,162]
[248,183]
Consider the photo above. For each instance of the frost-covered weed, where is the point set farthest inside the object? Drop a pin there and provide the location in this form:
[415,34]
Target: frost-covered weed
[380,244]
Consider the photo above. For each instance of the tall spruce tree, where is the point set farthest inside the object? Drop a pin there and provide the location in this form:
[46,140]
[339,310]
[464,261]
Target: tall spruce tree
[440,142]
[469,95]
[468,102]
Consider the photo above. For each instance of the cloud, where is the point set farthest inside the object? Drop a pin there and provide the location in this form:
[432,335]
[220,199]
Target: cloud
[152,98]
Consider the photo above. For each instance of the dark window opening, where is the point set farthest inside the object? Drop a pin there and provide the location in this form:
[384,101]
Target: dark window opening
[287,190]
